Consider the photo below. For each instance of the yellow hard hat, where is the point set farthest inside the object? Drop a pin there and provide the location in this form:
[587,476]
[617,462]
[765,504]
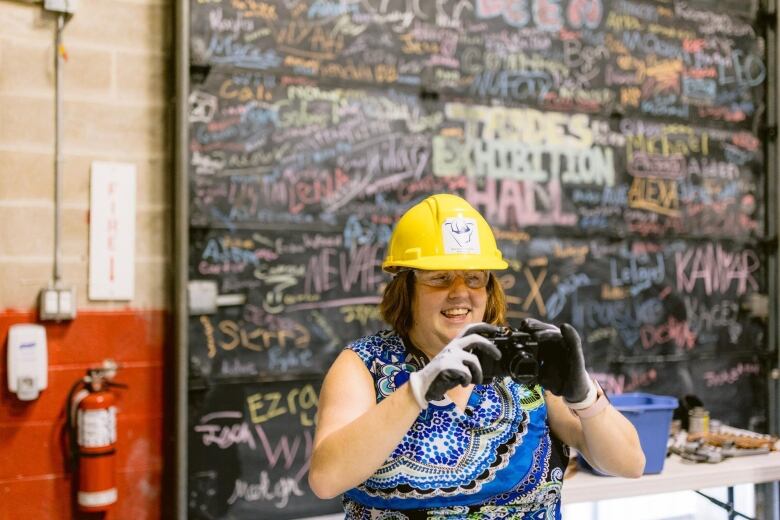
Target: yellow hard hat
[443,232]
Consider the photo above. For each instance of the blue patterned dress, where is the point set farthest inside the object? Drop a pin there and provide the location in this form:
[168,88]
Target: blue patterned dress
[496,460]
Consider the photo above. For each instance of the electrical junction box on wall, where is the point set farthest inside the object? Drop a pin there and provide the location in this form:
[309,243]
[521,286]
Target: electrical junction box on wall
[57,303]
[61,6]
[27,360]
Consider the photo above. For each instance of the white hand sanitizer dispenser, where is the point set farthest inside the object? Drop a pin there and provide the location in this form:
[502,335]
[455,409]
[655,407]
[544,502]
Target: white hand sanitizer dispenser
[27,360]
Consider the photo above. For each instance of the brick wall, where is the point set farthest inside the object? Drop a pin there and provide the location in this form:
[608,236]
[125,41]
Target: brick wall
[116,92]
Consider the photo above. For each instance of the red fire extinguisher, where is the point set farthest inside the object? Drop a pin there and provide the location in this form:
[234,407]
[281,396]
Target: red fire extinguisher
[92,431]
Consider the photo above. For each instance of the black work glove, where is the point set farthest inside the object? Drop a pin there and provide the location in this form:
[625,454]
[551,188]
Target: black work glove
[455,365]
[562,364]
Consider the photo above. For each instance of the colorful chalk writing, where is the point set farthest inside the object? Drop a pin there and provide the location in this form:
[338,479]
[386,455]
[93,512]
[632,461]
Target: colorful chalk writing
[613,145]
[312,155]
[250,447]
[587,56]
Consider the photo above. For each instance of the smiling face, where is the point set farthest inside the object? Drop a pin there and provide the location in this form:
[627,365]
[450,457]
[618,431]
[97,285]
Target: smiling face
[439,313]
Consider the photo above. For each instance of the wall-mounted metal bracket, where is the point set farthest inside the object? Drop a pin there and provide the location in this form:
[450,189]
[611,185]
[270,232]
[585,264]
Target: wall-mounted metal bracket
[203,297]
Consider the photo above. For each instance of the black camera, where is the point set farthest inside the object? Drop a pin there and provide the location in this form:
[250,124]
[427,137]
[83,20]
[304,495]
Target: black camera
[519,356]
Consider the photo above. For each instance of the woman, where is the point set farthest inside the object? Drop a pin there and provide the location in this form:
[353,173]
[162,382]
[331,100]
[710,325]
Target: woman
[407,429]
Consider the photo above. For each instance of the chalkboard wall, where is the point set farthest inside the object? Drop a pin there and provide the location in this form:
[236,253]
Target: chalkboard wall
[616,147]
[250,447]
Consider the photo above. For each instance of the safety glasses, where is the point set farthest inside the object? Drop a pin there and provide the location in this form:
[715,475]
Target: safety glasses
[442,279]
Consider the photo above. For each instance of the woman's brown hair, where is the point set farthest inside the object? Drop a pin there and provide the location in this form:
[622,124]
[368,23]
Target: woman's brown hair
[396,304]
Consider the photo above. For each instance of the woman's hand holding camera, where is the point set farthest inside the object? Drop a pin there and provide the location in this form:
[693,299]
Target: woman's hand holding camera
[562,370]
[454,365]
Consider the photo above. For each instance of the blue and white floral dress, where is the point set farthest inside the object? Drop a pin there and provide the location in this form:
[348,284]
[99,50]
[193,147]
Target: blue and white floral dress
[496,460]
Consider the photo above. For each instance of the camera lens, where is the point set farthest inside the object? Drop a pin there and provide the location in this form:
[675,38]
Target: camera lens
[523,367]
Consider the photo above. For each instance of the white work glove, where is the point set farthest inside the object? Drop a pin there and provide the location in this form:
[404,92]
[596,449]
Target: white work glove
[562,370]
[454,365]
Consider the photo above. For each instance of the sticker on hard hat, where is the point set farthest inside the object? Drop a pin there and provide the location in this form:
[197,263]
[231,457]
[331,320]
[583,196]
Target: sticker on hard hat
[460,236]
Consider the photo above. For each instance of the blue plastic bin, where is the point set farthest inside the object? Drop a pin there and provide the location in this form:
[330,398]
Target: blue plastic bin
[651,415]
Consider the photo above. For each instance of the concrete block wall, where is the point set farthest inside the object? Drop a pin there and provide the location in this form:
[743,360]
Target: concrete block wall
[117,83]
